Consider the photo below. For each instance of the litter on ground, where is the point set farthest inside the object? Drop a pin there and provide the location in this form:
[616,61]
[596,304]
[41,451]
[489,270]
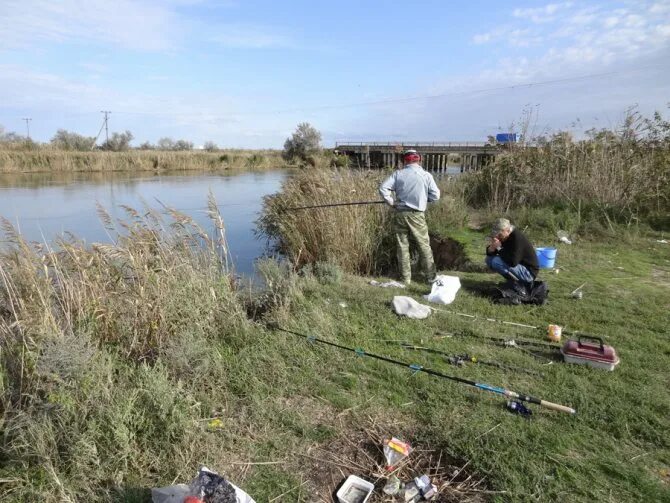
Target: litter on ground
[444,289]
[407,306]
[387,284]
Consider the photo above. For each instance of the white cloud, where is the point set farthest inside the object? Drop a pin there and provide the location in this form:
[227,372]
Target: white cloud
[140,25]
[588,62]
[541,14]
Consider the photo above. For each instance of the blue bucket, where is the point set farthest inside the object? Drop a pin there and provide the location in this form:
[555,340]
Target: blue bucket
[546,257]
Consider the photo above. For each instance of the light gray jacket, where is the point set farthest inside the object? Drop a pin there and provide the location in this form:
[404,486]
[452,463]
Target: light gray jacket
[413,186]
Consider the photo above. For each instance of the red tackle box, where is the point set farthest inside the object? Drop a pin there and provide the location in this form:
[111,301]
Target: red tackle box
[589,350]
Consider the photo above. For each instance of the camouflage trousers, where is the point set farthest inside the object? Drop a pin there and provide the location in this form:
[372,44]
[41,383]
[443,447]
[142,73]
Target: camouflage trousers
[413,223]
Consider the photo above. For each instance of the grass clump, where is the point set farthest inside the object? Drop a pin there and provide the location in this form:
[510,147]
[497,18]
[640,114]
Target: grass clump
[355,238]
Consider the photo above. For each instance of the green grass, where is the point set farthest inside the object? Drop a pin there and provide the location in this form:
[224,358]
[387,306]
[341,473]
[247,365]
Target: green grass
[615,448]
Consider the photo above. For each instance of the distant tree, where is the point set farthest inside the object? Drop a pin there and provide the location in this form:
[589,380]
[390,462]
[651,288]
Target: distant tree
[118,142]
[304,142]
[210,146]
[166,144]
[146,146]
[67,140]
[183,145]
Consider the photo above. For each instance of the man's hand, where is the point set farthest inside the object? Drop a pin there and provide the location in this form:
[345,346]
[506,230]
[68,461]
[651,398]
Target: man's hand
[495,244]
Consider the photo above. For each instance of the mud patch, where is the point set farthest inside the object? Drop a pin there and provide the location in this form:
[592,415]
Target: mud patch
[359,452]
[448,253]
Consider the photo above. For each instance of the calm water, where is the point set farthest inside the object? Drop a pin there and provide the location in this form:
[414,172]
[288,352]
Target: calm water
[44,206]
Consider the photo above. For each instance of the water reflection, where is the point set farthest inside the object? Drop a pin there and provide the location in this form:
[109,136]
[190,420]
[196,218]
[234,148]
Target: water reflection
[45,205]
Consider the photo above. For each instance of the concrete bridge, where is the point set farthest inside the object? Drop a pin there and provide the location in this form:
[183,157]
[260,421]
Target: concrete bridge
[436,155]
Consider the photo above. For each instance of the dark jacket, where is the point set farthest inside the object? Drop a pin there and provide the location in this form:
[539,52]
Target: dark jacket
[516,249]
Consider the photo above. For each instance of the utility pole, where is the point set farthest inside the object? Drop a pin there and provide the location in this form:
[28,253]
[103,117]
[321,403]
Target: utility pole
[27,119]
[106,112]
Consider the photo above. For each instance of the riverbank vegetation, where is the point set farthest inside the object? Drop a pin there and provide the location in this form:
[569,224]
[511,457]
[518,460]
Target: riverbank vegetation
[127,365]
[41,160]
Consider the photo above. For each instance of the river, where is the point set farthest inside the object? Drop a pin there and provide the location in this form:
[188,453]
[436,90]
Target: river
[43,206]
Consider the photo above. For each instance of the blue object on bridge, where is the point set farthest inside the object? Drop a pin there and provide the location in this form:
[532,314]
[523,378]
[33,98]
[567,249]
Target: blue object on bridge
[507,138]
[546,257]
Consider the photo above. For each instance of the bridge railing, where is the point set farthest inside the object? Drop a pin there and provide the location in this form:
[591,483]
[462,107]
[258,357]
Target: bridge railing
[413,144]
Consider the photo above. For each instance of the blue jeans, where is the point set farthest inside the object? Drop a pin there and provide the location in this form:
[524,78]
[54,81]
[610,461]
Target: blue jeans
[500,266]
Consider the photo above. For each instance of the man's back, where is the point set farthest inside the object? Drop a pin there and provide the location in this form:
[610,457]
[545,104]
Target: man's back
[413,186]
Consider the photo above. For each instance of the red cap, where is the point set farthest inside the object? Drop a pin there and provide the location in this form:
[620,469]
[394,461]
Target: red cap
[411,156]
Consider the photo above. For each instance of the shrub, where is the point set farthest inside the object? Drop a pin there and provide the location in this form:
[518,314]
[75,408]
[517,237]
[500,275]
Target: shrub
[66,140]
[118,142]
[305,142]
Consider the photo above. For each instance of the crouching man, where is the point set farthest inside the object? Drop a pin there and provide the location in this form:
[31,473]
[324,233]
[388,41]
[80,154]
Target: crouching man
[511,255]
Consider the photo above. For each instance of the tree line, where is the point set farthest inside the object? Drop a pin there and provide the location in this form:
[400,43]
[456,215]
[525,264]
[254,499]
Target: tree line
[303,145]
[117,142]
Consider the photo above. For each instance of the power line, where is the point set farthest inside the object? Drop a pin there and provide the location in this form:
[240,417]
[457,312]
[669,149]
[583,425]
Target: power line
[405,99]
[27,119]
[106,112]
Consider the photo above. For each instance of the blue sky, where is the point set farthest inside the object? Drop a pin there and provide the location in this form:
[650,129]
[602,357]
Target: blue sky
[244,73]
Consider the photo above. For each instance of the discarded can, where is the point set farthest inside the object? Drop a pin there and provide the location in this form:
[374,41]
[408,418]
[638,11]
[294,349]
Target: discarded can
[554,333]
[577,295]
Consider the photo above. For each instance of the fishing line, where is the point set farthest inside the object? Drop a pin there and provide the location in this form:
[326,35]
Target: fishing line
[459,360]
[415,368]
[509,323]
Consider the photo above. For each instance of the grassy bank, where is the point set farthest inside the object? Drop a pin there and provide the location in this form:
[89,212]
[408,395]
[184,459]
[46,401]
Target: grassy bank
[50,160]
[116,359]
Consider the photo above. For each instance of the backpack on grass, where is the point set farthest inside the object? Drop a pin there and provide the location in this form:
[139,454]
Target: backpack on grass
[512,294]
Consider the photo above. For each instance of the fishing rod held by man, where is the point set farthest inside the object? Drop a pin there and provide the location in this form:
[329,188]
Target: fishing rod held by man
[331,205]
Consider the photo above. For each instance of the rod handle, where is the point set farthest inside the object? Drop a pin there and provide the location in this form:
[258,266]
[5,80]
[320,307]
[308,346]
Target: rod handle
[558,407]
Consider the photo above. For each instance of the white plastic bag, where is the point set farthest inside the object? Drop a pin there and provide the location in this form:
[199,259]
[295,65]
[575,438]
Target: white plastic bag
[407,306]
[444,289]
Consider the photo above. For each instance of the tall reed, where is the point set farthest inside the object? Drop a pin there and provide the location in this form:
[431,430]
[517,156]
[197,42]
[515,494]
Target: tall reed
[354,237]
[622,174]
[49,159]
[102,350]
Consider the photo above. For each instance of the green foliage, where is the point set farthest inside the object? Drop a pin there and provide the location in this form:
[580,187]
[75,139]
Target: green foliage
[118,142]
[67,140]
[304,143]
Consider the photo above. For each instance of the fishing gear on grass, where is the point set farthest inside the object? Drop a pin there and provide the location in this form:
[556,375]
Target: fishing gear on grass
[503,322]
[460,360]
[419,368]
[295,208]
[519,344]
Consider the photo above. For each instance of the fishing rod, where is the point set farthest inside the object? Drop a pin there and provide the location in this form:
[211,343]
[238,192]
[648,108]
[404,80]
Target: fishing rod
[419,368]
[460,360]
[503,322]
[511,342]
[331,205]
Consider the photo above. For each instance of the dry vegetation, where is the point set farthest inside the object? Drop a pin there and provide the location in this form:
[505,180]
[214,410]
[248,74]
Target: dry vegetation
[48,159]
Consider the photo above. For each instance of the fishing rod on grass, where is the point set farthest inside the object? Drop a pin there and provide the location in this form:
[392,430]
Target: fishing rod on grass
[460,360]
[419,368]
[295,208]
[509,323]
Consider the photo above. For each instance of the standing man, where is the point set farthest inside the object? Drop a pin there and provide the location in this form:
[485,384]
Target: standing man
[414,188]
[511,255]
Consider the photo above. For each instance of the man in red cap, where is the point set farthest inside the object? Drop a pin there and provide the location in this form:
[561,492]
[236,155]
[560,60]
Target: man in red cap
[414,188]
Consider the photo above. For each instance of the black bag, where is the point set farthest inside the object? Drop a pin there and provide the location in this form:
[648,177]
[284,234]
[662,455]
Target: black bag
[514,294]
